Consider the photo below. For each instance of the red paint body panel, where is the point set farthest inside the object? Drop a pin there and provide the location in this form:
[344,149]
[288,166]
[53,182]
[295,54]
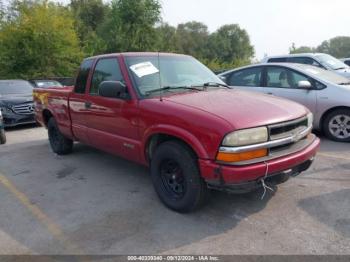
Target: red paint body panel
[200,119]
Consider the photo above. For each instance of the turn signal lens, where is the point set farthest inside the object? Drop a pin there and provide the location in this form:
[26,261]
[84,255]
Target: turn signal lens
[237,157]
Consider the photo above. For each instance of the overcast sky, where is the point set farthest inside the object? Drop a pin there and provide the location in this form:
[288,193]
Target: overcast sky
[273,25]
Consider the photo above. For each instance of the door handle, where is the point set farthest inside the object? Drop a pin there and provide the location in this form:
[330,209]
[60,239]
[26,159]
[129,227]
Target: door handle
[269,93]
[88,105]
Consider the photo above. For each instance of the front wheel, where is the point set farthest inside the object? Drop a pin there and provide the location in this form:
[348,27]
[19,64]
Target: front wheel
[176,177]
[337,125]
[2,136]
[59,143]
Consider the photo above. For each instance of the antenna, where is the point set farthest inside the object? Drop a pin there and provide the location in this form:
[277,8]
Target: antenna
[160,79]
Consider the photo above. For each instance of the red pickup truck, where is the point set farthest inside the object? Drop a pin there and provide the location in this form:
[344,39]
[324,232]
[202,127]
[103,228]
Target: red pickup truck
[171,113]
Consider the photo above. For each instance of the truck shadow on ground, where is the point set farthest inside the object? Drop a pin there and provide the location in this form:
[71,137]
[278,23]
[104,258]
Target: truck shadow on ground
[325,208]
[141,224]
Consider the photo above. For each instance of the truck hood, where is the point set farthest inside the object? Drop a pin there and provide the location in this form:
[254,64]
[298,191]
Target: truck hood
[241,109]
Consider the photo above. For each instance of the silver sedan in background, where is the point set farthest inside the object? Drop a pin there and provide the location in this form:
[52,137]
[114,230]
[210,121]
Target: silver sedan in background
[326,94]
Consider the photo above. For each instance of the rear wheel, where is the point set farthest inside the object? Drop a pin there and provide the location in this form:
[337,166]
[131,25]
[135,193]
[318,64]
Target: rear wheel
[337,125]
[2,136]
[59,144]
[176,177]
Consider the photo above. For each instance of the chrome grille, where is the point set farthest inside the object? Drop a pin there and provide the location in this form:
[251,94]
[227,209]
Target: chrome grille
[24,109]
[287,129]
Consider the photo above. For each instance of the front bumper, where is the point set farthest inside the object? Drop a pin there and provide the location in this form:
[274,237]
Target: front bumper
[222,176]
[14,119]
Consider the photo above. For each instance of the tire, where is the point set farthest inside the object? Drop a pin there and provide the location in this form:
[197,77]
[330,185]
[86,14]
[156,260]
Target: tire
[176,177]
[59,144]
[336,125]
[2,136]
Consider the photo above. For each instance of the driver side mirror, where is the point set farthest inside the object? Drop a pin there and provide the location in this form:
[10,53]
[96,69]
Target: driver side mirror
[113,89]
[304,84]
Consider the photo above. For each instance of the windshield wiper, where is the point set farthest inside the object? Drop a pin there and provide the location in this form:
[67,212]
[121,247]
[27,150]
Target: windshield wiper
[214,84]
[167,88]
[344,84]
[339,68]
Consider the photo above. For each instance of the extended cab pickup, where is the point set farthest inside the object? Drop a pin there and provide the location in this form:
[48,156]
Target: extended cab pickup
[171,113]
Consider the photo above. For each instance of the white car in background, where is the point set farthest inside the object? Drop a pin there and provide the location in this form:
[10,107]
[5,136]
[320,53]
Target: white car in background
[346,61]
[326,94]
[320,60]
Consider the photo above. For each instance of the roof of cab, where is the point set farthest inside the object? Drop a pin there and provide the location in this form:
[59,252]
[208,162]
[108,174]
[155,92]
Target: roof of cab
[126,54]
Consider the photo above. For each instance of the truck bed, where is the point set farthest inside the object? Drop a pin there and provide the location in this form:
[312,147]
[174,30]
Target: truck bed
[56,99]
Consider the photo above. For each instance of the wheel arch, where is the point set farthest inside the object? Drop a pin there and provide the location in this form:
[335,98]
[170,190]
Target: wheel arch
[47,114]
[157,135]
[330,110]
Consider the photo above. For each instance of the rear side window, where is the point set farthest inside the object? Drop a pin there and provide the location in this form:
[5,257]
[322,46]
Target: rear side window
[80,84]
[246,77]
[277,60]
[304,60]
[106,70]
[347,62]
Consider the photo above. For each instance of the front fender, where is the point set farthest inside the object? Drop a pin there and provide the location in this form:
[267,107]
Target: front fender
[177,132]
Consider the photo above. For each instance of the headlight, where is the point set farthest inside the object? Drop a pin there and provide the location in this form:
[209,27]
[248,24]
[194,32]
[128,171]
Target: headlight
[310,119]
[4,110]
[246,137]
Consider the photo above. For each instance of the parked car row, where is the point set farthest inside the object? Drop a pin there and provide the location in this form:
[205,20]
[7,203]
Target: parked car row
[171,113]
[324,93]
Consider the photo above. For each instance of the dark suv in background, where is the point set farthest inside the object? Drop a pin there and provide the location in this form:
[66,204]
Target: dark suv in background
[16,102]
[2,131]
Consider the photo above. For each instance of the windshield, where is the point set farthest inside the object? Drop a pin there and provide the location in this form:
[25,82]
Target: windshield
[331,62]
[325,75]
[175,71]
[15,87]
[47,83]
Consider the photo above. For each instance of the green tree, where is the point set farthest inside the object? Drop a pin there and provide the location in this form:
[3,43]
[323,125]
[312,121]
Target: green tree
[301,49]
[230,44]
[192,39]
[39,41]
[130,25]
[166,35]
[337,46]
[2,12]
[89,16]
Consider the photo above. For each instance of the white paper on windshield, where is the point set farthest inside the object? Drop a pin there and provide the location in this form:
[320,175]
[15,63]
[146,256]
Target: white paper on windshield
[144,69]
[312,71]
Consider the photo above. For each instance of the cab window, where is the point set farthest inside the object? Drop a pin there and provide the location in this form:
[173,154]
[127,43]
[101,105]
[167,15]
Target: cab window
[106,69]
[80,84]
[246,77]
